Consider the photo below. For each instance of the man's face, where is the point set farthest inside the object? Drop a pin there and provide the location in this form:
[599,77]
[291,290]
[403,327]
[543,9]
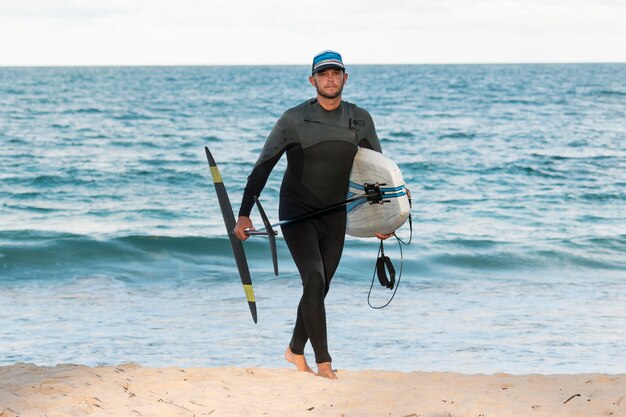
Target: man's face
[329,82]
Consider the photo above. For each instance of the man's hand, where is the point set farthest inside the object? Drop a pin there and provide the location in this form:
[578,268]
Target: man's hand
[243,223]
[383,236]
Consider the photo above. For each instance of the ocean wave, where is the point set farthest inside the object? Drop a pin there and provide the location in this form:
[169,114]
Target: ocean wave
[13,91]
[134,143]
[37,255]
[617,93]
[18,141]
[544,256]
[50,180]
[402,135]
[31,208]
[537,172]
[40,254]
[458,135]
[133,116]
[603,197]
[519,101]
[84,110]
[27,195]
[545,261]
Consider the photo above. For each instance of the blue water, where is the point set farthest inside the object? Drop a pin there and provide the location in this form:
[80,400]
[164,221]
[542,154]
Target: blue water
[112,247]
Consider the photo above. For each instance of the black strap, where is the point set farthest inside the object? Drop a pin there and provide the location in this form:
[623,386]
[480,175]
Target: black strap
[410,233]
[383,262]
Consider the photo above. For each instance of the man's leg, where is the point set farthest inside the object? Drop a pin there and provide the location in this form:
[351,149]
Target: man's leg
[331,247]
[303,242]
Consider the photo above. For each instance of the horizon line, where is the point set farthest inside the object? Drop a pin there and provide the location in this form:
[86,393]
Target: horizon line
[307,65]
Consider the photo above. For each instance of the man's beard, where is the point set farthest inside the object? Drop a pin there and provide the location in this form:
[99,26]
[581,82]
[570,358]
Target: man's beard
[329,96]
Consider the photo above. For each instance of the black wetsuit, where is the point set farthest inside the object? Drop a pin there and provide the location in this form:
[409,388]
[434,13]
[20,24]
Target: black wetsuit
[320,147]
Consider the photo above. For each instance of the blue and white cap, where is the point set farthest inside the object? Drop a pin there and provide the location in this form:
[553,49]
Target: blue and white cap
[327,59]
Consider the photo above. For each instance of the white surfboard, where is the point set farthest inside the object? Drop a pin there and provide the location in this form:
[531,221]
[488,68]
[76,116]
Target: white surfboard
[365,219]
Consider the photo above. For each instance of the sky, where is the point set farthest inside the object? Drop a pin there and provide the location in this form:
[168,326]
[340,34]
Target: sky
[249,32]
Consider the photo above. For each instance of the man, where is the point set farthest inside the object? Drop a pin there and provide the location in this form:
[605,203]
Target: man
[320,137]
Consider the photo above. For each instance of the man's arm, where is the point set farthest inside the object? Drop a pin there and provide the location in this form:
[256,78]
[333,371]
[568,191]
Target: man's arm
[370,138]
[274,147]
[256,183]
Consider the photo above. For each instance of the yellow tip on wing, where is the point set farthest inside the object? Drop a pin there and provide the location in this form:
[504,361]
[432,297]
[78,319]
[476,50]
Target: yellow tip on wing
[217,177]
[249,293]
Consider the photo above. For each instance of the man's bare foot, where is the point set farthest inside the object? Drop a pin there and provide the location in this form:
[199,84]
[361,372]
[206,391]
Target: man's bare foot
[298,360]
[325,369]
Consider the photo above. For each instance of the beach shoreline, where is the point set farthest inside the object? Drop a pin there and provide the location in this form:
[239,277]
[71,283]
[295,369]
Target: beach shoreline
[74,390]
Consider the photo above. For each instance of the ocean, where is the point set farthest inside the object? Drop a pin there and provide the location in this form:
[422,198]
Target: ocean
[113,250]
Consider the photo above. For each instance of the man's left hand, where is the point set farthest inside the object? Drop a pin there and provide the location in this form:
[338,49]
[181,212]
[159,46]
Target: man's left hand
[383,236]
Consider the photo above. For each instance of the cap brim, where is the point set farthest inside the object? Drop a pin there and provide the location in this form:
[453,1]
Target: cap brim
[326,66]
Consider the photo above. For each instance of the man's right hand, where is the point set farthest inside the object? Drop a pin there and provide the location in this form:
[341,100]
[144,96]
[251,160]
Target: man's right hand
[243,223]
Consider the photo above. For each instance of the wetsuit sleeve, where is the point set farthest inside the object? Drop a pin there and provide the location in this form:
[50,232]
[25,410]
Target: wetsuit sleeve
[274,147]
[369,138]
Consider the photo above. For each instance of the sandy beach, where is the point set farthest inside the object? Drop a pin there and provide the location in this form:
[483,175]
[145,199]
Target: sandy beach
[131,390]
